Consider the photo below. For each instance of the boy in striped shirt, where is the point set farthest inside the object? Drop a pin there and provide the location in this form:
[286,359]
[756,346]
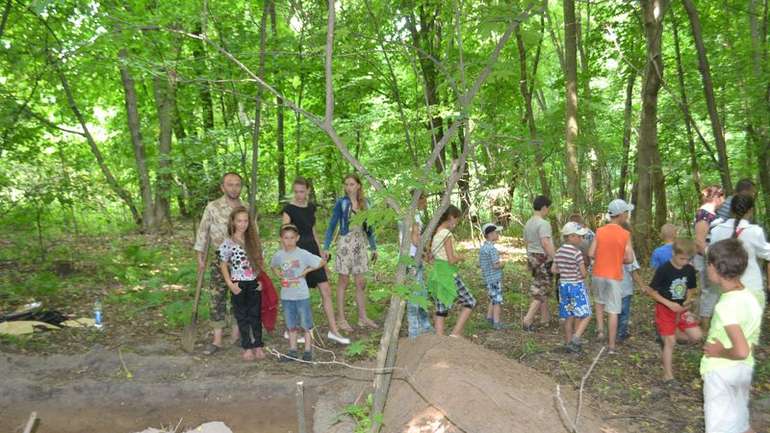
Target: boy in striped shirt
[574,308]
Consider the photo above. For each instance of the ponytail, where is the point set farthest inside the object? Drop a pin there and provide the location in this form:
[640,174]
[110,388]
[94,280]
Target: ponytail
[740,205]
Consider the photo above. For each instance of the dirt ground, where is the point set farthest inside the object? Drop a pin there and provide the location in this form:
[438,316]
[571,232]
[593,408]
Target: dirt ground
[450,384]
[93,392]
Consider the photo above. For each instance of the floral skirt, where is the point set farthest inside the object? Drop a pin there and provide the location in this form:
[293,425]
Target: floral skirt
[352,253]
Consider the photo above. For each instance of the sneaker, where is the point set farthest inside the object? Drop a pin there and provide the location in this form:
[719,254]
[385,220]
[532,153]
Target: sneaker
[528,328]
[307,356]
[500,325]
[338,338]
[573,347]
[300,339]
[612,352]
[490,321]
[289,357]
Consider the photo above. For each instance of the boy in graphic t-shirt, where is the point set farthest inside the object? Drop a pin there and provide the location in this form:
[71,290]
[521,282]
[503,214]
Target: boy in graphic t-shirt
[673,288]
[292,263]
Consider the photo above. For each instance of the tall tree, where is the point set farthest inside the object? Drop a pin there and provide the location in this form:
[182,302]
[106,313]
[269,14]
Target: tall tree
[258,112]
[694,168]
[708,91]
[627,129]
[164,90]
[652,16]
[760,116]
[279,117]
[571,107]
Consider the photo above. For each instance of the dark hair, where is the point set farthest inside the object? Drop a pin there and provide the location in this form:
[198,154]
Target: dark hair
[576,218]
[744,185]
[252,245]
[709,193]
[740,205]
[230,173]
[540,202]
[451,211]
[299,180]
[288,228]
[728,257]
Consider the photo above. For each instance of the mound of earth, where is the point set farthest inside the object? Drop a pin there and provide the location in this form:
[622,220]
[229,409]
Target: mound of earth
[452,385]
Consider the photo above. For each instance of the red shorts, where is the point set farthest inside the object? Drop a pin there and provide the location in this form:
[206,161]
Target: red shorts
[667,321]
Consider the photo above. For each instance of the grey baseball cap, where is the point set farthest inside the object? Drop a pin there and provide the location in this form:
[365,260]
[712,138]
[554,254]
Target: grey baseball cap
[619,206]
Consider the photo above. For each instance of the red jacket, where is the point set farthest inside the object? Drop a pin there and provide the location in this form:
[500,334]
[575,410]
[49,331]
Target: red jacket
[269,302]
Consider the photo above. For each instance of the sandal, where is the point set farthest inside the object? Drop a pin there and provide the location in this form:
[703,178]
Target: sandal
[211,349]
[248,355]
[343,325]
[367,323]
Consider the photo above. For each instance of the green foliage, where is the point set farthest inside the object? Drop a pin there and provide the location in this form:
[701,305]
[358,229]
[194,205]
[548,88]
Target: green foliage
[361,414]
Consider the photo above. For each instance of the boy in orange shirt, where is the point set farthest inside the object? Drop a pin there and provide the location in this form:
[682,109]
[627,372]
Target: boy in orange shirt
[610,250]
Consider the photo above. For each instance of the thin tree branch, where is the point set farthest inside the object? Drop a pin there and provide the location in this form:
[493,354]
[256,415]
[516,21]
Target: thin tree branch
[329,114]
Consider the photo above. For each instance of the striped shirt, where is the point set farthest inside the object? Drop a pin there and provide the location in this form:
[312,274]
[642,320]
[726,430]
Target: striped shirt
[488,257]
[568,260]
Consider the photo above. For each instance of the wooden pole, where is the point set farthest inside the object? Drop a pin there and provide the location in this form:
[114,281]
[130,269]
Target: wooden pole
[300,396]
[30,427]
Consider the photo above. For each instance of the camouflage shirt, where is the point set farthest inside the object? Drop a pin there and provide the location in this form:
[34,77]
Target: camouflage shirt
[214,224]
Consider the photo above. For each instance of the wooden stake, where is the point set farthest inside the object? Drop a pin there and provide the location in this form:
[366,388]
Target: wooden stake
[302,428]
[30,427]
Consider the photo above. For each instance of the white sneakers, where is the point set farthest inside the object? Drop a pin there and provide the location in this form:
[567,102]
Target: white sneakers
[330,335]
[300,339]
[338,338]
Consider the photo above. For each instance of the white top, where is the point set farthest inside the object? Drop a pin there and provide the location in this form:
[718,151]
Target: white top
[438,245]
[753,238]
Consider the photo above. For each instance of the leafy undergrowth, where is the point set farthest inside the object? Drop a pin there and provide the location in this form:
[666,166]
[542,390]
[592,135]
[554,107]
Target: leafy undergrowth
[147,285]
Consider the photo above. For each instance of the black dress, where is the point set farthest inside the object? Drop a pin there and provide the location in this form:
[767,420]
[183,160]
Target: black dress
[304,219]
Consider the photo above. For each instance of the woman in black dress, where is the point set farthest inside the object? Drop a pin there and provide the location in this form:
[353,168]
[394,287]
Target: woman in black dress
[300,212]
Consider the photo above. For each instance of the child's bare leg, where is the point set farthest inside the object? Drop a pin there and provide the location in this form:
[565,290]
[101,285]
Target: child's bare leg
[465,313]
[690,335]
[613,329]
[545,314]
[581,326]
[293,339]
[496,313]
[438,323]
[308,341]
[490,311]
[342,284]
[568,329]
[326,297]
[600,319]
[669,341]
[534,306]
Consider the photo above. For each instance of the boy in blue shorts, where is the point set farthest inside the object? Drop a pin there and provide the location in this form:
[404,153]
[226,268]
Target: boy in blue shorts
[574,307]
[492,271]
[291,264]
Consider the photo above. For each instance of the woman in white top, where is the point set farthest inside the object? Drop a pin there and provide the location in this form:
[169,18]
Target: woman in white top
[753,238]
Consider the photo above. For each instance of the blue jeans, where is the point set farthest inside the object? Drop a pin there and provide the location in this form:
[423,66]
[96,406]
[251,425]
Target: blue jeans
[623,318]
[417,318]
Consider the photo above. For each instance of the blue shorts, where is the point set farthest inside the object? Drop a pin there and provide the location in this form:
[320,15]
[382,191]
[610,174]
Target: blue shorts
[297,314]
[573,301]
[495,292]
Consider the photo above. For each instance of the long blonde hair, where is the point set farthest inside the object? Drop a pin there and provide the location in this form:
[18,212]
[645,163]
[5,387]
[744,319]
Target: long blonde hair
[253,246]
[360,194]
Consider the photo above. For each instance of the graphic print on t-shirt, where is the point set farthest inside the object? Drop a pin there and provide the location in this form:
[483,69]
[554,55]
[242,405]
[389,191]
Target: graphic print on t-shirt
[290,271]
[678,288]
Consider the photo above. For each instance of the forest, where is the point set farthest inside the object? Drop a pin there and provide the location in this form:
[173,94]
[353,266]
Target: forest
[118,120]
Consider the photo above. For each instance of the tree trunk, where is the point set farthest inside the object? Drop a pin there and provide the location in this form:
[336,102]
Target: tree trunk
[164,89]
[428,40]
[627,128]
[708,91]
[686,111]
[529,114]
[258,113]
[659,191]
[111,181]
[135,130]
[760,119]
[652,12]
[571,111]
[589,125]
[279,120]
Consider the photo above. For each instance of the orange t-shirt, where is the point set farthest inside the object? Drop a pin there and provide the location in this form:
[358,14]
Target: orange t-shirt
[611,240]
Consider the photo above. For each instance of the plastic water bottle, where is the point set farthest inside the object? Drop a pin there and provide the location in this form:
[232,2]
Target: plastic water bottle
[98,314]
